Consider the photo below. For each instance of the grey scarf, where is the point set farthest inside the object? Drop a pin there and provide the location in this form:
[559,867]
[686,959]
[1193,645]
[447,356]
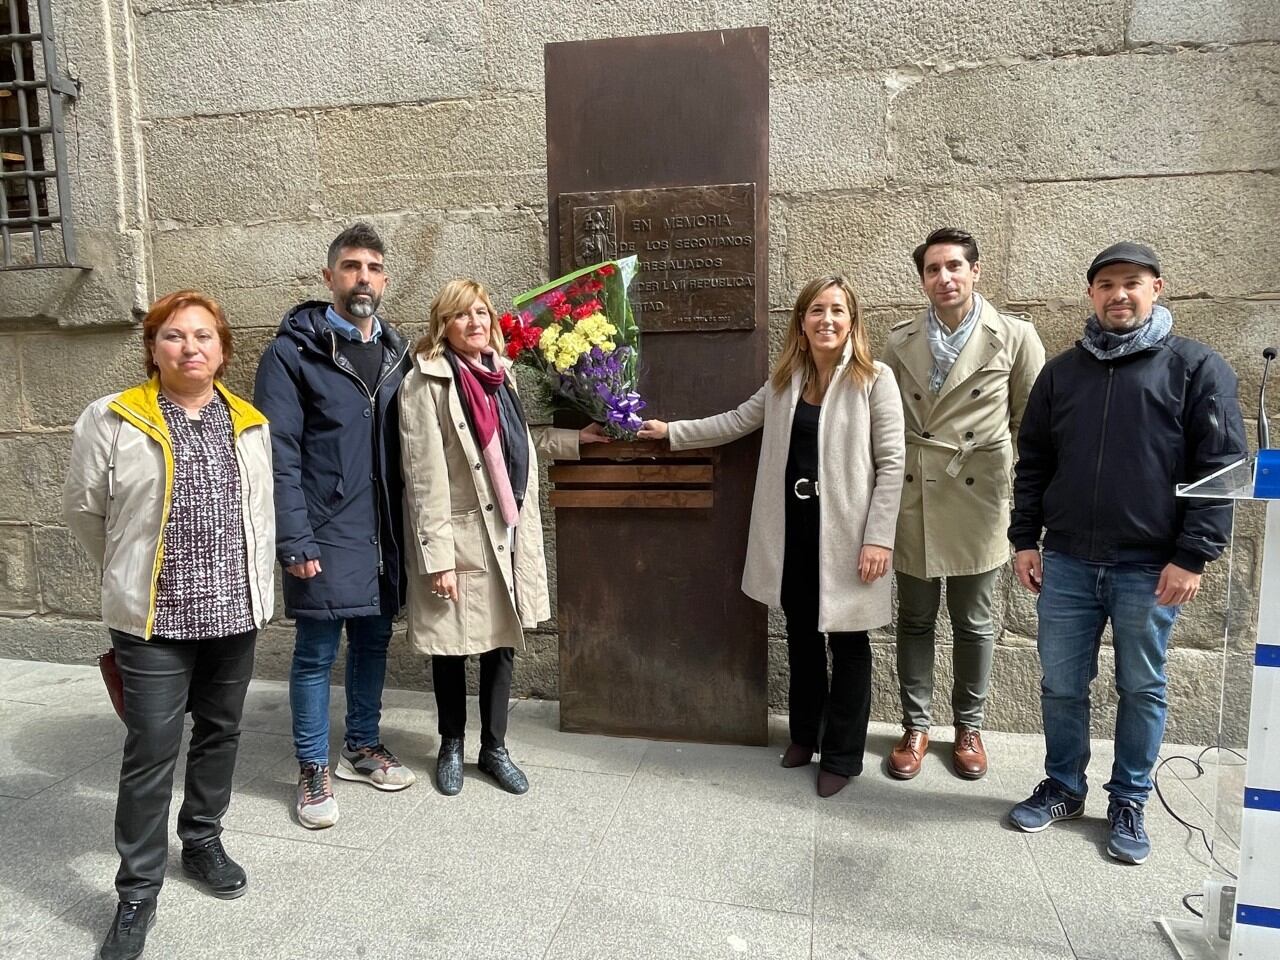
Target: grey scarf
[946,345]
[1106,345]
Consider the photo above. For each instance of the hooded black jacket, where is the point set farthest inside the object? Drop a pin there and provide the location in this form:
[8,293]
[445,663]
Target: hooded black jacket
[1103,443]
[336,451]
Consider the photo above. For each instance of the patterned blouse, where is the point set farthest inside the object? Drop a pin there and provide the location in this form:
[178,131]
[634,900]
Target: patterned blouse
[204,577]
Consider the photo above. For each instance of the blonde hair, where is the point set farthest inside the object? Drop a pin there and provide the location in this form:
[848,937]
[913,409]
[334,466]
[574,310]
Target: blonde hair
[796,356]
[456,297]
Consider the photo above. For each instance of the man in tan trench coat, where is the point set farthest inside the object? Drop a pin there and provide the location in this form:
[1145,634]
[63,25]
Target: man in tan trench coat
[964,370]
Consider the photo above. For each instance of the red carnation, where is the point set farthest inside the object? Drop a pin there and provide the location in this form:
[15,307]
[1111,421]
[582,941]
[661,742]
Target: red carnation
[607,270]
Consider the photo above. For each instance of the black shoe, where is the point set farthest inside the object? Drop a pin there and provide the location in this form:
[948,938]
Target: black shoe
[449,766]
[496,762]
[210,864]
[129,930]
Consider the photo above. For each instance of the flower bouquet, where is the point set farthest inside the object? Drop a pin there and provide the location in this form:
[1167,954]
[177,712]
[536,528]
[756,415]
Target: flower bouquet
[579,334]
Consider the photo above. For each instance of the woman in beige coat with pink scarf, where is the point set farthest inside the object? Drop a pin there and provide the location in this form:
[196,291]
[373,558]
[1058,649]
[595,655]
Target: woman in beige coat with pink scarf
[823,516]
[477,571]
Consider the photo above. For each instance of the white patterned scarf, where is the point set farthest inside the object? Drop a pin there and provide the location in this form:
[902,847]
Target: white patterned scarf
[945,345]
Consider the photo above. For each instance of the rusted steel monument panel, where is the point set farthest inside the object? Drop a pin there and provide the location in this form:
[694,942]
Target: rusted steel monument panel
[658,146]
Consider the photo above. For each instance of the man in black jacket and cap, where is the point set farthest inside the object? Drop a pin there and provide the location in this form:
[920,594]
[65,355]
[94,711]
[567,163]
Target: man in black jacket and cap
[1112,426]
[328,385]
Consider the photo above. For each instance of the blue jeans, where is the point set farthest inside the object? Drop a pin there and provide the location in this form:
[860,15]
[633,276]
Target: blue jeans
[315,649]
[1076,601]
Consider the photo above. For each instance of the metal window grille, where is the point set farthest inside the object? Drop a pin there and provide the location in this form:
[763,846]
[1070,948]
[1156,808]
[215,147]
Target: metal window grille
[31,127]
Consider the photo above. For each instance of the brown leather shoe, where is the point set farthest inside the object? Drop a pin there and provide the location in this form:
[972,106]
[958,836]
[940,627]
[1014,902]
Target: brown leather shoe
[797,755]
[905,759]
[968,755]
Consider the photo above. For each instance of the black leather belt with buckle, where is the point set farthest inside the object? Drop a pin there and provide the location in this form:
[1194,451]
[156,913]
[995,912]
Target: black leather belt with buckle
[805,489]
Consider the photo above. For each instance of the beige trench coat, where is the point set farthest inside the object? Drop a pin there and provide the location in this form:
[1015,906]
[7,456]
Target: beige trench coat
[452,522]
[960,444]
[860,463]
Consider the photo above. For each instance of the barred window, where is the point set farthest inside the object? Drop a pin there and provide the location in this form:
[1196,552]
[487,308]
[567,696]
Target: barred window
[36,226]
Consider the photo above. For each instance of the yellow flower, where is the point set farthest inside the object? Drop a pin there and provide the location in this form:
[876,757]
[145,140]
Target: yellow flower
[596,329]
[569,348]
[547,342]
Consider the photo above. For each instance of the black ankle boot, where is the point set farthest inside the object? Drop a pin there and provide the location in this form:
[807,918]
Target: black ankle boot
[128,933]
[449,766]
[496,762]
[221,875]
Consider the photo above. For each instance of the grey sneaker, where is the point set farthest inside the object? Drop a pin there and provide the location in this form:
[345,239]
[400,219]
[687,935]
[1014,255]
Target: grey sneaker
[316,807]
[374,765]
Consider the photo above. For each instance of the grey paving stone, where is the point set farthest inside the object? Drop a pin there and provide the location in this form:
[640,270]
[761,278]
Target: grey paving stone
[55,851]
[545,838]
[266,708]
[42,744]
[33,682]
[752,770]
[868,936]
[1109,908]
[535,738]
[954,879]
[603,924]
[27,680]
[390,909]
[623,848]
[725,842]
[193,925]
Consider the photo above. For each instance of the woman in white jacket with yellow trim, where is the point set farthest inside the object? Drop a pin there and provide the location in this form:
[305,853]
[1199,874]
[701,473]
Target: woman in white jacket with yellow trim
[169,491]
[823,516]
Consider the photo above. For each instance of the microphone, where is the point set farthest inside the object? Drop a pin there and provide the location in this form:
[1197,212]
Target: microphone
[1264,434]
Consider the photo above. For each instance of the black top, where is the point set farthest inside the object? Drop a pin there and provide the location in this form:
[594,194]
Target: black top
[802,458]
[365,357]
[1104,442]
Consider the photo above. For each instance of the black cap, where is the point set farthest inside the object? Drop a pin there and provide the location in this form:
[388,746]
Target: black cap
[1124,253]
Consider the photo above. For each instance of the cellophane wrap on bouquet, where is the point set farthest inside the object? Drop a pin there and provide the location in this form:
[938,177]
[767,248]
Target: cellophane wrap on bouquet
[579,334]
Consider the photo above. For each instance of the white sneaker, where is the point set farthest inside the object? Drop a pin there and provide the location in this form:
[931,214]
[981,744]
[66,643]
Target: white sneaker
[317,807]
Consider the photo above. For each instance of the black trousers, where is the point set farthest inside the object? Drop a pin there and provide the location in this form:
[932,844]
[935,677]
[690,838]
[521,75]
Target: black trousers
[449,677]
[161,678]
[830,715]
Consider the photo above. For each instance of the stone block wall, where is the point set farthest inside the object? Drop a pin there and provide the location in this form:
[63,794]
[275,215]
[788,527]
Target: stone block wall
[221,143]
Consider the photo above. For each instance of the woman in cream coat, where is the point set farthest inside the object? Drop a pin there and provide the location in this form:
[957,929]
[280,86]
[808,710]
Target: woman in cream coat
[169,493]
[478,574]
[823,516]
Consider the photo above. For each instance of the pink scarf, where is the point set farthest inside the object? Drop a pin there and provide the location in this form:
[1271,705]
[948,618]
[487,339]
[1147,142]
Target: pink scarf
[478,387]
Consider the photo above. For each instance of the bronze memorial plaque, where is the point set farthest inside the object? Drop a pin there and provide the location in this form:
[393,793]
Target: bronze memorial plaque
[695,246]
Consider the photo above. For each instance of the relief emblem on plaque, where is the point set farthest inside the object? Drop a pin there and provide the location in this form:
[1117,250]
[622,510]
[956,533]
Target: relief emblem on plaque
[595,235]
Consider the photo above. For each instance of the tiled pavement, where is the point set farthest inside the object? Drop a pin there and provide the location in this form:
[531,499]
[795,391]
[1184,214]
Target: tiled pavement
[622,849]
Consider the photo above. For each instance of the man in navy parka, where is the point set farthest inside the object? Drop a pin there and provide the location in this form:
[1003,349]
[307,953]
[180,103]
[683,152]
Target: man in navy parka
[328,385]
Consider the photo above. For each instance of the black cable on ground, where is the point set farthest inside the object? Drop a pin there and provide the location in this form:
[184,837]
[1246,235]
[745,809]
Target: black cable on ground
[1188,825]
[1190,907]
